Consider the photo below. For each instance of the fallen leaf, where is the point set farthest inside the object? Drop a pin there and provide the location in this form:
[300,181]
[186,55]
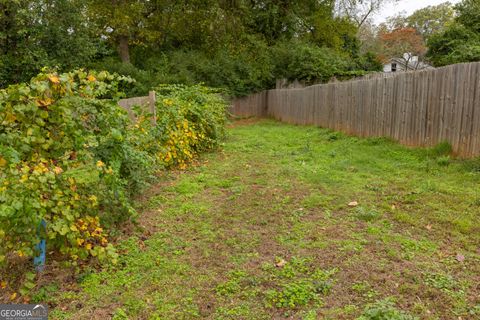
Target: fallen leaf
[393,207]
[353,204]
[460,257]
[428,227]
[3,284]
[280,263]
[13,296]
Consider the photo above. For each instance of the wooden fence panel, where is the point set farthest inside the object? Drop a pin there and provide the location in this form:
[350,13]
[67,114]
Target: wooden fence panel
[419,108]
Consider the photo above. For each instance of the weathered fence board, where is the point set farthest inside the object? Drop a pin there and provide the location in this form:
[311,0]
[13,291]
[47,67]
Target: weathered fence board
[420,108]
[147,102]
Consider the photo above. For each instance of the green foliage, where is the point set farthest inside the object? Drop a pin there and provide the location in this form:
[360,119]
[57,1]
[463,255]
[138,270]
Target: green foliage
[367,215]
[72,157]
[457,44]
[298,284]
[308,62]
[242,47]
[53,131]
[460,42]
[441,149]
[190,120]
[39,33]
[293,295]
[231,286]
[469,14]
[384,310]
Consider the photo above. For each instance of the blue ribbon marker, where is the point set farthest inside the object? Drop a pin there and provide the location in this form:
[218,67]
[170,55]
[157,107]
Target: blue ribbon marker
[41,248]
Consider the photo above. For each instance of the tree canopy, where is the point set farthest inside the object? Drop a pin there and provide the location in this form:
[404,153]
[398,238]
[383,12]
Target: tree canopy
[235,44]
[460,41]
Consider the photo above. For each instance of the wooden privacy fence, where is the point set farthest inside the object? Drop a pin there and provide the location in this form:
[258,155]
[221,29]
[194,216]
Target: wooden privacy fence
[147,102]
[420,108]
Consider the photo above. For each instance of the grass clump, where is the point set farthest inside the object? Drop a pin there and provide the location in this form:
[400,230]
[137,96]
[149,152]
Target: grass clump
[384,310]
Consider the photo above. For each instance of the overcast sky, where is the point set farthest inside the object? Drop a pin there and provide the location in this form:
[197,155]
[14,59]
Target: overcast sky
[405,5]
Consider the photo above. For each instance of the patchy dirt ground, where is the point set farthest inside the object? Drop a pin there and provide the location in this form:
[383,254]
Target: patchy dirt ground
[263,230]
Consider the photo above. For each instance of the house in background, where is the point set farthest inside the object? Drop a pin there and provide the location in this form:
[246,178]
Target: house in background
[407,63]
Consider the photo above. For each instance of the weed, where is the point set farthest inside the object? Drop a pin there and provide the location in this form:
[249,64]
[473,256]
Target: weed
[441,149]
[231,286]
[384,310]
[443,282]
[443,161]
[365,290]
[120,314]
[293,294]
[367,215]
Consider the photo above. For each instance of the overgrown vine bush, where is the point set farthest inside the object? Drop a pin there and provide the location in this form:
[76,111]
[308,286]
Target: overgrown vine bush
[71,156]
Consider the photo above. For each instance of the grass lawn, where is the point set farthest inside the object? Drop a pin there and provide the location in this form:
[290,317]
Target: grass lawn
[263,230]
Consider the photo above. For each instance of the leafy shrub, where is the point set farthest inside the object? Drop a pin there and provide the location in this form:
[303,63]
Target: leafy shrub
[73,158]
[52,130]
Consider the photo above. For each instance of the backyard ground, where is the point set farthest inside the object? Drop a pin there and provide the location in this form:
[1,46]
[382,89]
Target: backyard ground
[263,229]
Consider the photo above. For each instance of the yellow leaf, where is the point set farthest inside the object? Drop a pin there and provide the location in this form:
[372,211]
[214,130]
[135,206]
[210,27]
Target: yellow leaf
[73,228]
[44,102]
[91,78]
[13,296]
[10,117]
[3,284]
[3,162]
[100,164]
[58,170]
[54,79]
[88,246]
[80,241]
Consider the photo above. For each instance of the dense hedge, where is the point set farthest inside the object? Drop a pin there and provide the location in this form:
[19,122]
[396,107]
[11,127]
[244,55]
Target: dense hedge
[71,156]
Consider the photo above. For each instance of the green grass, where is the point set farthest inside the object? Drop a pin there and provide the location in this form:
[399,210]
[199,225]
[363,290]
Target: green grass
[262,229]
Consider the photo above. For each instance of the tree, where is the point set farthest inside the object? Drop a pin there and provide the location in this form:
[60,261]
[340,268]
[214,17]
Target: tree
[404,43]
[119,21]
[360,10]
[460,42]
[469,14]
[38,33]
[427,21]
[432,19]
[457,44]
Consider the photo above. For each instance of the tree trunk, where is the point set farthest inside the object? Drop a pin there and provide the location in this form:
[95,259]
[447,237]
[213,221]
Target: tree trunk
[123,49]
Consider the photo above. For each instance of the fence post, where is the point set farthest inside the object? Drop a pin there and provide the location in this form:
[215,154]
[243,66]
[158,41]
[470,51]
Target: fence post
[152,104]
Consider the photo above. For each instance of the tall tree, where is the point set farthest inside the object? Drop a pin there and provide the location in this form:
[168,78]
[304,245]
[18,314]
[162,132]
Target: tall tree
[404,43]
[360,10]
[432,19]
[38,33]
[460,42]
[119,21]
